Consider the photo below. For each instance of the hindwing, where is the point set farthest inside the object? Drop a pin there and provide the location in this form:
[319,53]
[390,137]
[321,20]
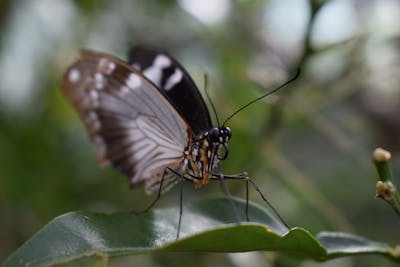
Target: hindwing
[131,123]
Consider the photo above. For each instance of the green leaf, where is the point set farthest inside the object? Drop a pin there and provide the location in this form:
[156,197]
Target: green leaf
[343,244]
[207,225]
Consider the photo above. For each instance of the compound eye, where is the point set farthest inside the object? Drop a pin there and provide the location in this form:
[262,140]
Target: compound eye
[213,135]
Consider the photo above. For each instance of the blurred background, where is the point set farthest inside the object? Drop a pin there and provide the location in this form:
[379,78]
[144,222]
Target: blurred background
[308,147]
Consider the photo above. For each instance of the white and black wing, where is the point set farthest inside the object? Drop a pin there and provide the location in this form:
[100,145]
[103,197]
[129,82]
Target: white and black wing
[172,78]
[131,123]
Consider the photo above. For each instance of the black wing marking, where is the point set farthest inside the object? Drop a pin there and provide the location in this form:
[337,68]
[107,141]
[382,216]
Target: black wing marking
[132,124]
[166,73]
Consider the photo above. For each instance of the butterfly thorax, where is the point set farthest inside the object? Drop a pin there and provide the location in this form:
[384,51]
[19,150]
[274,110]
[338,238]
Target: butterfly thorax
[202,155]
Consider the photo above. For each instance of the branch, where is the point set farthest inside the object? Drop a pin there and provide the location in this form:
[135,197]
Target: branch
[385,187]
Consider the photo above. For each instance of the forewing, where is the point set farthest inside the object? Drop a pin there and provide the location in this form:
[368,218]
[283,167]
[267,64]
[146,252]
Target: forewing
[131,123]
[165,72]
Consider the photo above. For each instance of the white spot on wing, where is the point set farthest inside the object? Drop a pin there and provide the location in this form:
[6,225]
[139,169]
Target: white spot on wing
[174,79]
[162,61]
[103,62]
[111,67]
[98,77]
[133,81]
[106,66]
[74,76]
[154,72]
[99,80]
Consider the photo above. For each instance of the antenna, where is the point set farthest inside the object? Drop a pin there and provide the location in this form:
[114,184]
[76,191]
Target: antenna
[209,98]
[265,95]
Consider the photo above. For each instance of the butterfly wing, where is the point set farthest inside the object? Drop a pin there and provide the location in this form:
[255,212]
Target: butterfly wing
[132,124]
[165,72]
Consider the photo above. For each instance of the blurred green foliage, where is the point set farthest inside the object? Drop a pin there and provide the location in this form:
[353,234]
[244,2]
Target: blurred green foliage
[308,147]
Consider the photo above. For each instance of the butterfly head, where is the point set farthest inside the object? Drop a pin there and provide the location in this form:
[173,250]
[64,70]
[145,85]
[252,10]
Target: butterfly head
[220,136]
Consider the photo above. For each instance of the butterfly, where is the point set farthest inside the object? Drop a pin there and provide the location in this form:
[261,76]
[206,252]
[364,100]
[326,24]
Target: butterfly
[147,118]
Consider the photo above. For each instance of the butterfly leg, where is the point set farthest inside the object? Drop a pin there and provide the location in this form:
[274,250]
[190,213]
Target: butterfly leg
[268,203]
[244,176]
[180,206]
[225,189]
[159,191]
[182,178]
